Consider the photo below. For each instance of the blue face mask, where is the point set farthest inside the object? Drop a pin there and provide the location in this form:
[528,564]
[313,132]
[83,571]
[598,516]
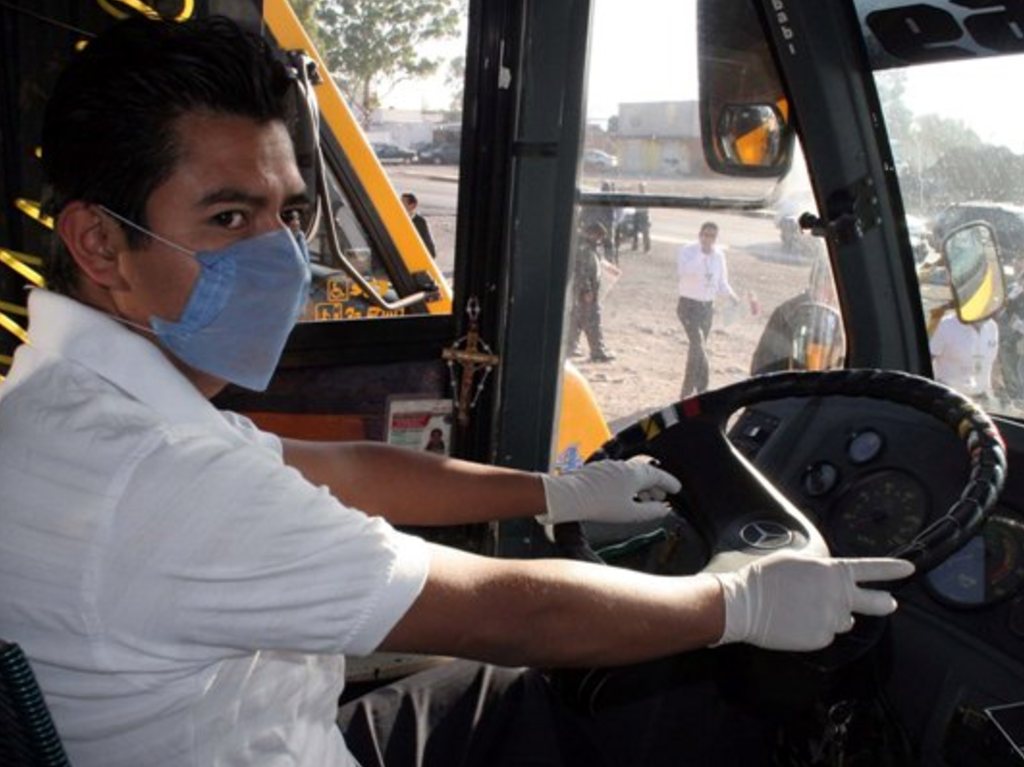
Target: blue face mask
[245,302]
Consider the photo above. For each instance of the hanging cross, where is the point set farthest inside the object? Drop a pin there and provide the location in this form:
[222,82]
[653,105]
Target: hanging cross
[475,357]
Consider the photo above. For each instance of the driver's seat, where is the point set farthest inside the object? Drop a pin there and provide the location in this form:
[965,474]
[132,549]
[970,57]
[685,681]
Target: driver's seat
[27,735]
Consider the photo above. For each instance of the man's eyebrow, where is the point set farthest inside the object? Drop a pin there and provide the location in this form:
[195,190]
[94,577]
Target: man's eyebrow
[230,194]
[299,198]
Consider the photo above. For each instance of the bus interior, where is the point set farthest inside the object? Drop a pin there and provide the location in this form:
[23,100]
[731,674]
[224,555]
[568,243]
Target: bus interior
[867,149]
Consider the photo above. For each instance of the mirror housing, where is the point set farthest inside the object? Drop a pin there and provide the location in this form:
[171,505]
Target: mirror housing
[744,113]
[975,271]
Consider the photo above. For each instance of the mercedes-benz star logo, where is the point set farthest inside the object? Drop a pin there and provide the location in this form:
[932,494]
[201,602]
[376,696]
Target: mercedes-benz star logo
[766,534]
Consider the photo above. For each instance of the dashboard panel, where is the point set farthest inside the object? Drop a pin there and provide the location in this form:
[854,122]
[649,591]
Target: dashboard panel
[872,475]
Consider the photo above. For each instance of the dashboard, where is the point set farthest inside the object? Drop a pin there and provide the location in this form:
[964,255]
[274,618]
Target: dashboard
[872,475]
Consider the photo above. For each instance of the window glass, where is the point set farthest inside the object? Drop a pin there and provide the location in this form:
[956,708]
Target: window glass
[408,106]
[335,295]
[775,308]
[959,155]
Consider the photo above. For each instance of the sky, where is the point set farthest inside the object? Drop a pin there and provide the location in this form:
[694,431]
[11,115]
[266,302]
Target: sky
[983,93]
[644,50]
[632,59]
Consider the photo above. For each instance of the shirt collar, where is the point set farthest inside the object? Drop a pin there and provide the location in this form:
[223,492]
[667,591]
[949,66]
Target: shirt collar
[70,329]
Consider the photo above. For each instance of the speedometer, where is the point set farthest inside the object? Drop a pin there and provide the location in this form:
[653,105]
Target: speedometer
[990,567]
[879,513]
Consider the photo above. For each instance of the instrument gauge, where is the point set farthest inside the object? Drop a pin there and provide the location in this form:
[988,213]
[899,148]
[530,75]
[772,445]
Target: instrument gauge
[881,512]
[989,568]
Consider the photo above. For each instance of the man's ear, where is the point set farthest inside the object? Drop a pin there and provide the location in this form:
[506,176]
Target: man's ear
[94,241]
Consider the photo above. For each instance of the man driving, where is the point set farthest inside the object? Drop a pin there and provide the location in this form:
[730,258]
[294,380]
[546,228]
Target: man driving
[187,586]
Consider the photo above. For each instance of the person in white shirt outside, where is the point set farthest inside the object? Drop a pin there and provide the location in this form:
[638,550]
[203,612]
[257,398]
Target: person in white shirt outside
[703,276]
[963,354]
[186,586]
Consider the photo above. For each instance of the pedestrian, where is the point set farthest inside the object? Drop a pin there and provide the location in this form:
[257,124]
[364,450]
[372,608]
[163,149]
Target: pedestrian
[963,354]
[703,275]
[1010,321]
[585,316]
[411,203]
[642,224]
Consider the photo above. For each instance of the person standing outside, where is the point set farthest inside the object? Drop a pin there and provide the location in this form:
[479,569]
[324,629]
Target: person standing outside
[586,289]
[702,276]
[642,224]
[411,203]
[963,354]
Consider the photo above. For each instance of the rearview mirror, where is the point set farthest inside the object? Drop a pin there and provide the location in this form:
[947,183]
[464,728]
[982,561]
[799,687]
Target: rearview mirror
[744,113]
[975,271]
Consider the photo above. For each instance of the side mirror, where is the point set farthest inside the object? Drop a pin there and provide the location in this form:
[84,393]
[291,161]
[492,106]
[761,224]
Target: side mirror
[817,338]
[975,271]
[744,114]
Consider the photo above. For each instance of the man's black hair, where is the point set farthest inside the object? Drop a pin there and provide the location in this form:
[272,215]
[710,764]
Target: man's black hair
[410,197]
[109,132]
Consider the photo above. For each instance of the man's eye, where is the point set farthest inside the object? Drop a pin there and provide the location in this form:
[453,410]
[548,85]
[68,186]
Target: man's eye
[229,219]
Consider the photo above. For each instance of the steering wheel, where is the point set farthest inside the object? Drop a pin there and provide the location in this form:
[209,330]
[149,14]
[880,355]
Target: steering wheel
[742,517]
[738,512]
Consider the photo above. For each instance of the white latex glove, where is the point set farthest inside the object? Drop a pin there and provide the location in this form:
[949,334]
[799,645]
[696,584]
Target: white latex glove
[608,491]
[789,602]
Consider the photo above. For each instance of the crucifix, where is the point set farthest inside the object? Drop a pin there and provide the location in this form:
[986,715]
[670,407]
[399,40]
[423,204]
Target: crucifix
[476,359]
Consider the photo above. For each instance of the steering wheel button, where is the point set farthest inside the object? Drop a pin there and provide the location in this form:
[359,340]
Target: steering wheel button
[819,479]
[864,446]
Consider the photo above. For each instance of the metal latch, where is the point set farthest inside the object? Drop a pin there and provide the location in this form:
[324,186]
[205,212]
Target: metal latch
[850,213]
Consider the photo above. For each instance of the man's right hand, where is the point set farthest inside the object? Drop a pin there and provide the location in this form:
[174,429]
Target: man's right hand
[789,602]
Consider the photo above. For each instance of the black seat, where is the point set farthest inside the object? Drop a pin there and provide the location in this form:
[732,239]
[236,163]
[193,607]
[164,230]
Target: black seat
[27,735]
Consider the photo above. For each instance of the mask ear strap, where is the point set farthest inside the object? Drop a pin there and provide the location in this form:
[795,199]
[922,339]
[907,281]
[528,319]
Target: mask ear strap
[145,231]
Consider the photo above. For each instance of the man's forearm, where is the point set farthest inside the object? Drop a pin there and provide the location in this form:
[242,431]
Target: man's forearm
[409,487]
[556,612]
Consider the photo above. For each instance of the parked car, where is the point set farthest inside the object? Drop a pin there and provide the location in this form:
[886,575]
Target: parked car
[595,159]
[393,153]
[440,154]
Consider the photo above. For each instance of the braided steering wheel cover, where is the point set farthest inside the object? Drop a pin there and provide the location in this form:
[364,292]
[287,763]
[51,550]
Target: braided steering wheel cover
[984,444]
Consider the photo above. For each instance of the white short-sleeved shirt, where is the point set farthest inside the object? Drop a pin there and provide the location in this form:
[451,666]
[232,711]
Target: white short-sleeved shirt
[184,597]
[963,355]
[702,276]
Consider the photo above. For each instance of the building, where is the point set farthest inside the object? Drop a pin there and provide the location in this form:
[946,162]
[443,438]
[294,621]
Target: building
[659,138]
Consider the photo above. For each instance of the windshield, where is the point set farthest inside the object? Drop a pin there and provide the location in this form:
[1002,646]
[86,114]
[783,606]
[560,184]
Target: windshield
[959,155]
[637,314]
[658,311]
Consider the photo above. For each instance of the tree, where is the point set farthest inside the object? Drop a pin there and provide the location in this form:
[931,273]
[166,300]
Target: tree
[306,11]
[978,172]
[455,79]
[892,86]
[368,43]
